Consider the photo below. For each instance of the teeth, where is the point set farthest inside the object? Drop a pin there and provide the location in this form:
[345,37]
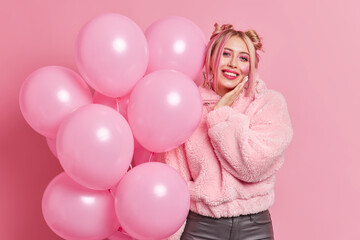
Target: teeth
[230,74]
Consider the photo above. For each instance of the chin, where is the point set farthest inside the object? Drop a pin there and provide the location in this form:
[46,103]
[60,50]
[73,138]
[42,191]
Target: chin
[230,85]
[227,83]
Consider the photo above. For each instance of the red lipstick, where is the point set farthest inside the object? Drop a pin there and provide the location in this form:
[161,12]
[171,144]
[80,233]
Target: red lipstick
[229,74]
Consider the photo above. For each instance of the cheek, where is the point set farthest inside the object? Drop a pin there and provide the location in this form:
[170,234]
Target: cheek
[222,62]
[245,69]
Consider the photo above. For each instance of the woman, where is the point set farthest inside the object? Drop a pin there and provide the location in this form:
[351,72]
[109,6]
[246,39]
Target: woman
[231,159]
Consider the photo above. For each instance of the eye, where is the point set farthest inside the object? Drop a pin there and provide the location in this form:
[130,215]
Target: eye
[226,54]
[244,58]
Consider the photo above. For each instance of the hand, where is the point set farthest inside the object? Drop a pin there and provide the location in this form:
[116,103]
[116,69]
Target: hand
[229,98]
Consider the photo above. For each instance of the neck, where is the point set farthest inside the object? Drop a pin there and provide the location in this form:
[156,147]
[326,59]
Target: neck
[222,91]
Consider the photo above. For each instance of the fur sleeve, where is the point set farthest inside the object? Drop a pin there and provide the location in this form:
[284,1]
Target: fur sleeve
[176,158]
[250,146]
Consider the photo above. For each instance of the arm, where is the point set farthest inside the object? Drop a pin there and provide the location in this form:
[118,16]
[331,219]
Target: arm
[250,146]
[176,158]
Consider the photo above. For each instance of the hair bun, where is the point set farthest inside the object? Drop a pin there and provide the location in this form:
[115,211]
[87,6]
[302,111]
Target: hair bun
[221,28]
[256,40]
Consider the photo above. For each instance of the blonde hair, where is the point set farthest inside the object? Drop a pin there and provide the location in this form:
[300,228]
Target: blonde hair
[216,46]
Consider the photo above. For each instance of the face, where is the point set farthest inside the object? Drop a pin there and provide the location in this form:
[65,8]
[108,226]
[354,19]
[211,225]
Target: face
[233,66]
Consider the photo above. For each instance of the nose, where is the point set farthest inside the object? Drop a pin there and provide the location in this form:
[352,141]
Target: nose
[232,62]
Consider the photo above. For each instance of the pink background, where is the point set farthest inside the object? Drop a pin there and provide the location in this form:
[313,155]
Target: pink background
[311,57]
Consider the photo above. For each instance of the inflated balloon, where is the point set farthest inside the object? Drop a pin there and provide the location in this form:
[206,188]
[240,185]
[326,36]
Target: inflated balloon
[176,43]
[75,212]
[152,201]
[141,155]
[49,94]
[164,110]
[95,146]
[52,146]
[112,54]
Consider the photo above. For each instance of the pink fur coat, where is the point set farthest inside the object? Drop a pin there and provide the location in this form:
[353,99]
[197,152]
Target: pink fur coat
[230,161]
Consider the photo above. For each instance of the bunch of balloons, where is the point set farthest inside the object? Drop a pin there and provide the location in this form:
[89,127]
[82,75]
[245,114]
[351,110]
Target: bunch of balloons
[145,102]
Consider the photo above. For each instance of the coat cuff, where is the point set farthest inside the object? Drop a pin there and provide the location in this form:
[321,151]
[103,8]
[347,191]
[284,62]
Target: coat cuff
[218,115]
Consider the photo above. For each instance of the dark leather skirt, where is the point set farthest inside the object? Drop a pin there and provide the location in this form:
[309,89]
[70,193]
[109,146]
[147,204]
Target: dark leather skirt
[244,227]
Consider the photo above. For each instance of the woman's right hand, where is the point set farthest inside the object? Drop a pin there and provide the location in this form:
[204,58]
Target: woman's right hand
[229,98]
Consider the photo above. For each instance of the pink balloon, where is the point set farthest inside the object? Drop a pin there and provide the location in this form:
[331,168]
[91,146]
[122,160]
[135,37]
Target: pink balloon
[176,43]
[112,54]
[141,155]
[152,201]
[52,145]
[49,94]
[75,212]
[95,146]
[164,110]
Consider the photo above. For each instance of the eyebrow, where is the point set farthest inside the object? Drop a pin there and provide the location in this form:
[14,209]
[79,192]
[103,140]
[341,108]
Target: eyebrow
[229,49]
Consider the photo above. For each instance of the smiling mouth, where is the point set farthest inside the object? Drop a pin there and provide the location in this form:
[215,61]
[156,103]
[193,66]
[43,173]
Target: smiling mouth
[229,75]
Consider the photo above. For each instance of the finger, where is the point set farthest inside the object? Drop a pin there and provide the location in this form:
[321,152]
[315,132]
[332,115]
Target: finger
[236,89]
[246,78]
[241,85]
